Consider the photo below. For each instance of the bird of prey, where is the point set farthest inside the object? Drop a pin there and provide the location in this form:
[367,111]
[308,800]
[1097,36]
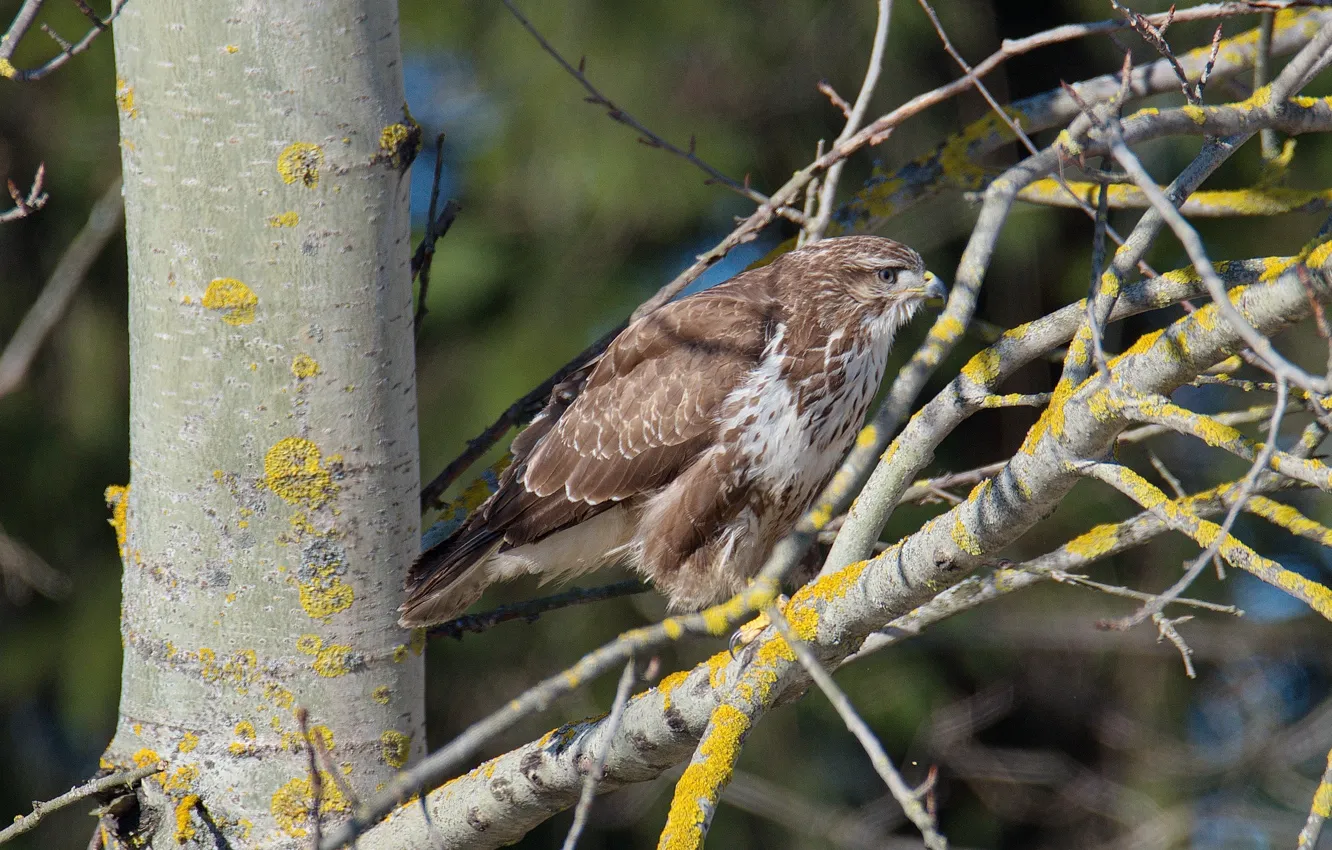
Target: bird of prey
[694,443]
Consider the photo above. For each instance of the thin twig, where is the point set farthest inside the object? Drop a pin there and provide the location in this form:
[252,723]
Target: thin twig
[1166,630]
[872,134]
[26,206]
[533,608]
[906,797]
[436,227]
[1246,489]
[647,137]
[1197,252]
[598,768]
[1319,810]
[67,50]
[316,778]
[813,231]
[92,788]
[103,222]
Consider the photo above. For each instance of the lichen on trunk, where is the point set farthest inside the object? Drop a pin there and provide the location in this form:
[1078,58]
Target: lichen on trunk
[272,504]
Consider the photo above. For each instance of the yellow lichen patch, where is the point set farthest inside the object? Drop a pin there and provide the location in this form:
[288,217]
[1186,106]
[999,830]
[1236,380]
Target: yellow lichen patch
[304,366]
[325,594]
[291,218]
[418,641]
[983,369]
[117,499]
[1318,257]
[323,736]
[671,626]
[398,144]
[801,612]
[333,660]
[1095,543]
[279,695]
[185,817]
[232,296]
[291,804]
[669,684]
[717,665]
[704,779]
[231,48]
[1290,519]
[394,747]
[145,758]
[7,69]
[868,436]
[381,694]
[1196,114]
[301,161]
[309,644]
[400,653]
[292,470]
[946,329]
[964,537]
[125,98]
[188,742]
[182,779]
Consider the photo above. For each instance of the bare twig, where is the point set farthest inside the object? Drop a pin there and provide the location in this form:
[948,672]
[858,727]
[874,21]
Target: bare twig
[906,797]
[598,768]
[316,778]
[23,571]
[103,223]
[125,779]
[1166,630]
[26,206]
[1319,810]
[647,137]
[814,230]
[1246,490]
[436,227]
[25,18]
[531,609]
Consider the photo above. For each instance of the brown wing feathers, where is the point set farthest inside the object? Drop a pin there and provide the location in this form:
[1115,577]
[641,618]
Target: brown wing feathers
[644,414]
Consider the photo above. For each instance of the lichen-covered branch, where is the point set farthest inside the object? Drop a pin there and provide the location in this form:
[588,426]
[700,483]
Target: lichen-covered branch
[503,798]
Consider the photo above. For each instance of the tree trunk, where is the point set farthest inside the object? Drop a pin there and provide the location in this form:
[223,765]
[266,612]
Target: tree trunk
[272,507]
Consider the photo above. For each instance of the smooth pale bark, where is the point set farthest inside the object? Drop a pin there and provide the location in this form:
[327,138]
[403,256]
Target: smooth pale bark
[272,507]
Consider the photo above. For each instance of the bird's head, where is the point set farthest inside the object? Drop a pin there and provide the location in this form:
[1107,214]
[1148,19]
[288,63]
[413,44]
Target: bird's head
[869,278]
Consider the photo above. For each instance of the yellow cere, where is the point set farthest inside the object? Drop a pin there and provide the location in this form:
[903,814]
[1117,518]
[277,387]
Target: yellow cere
[700,787]
[300,161]
[292,470]
[291,218]
[234,298]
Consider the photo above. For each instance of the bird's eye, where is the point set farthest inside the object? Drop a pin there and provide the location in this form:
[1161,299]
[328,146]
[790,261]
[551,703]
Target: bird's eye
[888,275]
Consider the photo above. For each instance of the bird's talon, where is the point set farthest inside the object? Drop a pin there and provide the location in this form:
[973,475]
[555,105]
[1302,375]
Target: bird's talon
[747,633]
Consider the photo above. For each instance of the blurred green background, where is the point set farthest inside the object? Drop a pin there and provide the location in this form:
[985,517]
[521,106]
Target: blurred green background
[1046,732]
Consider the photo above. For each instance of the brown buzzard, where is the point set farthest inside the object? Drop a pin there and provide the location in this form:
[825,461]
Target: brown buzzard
[697,439]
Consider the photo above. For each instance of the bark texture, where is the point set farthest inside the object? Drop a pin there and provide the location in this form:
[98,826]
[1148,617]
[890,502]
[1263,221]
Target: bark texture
[272,506]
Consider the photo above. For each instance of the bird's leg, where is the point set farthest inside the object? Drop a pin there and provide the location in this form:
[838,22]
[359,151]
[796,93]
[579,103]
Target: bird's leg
[746,634]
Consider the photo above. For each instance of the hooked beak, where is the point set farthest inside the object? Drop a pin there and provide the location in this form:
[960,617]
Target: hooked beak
[935,291]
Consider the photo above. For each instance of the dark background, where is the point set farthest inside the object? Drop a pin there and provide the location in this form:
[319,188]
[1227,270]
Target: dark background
[1047,732]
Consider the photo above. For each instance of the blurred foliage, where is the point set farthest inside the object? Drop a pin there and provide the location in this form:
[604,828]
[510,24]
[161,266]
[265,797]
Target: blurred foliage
[567,224]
